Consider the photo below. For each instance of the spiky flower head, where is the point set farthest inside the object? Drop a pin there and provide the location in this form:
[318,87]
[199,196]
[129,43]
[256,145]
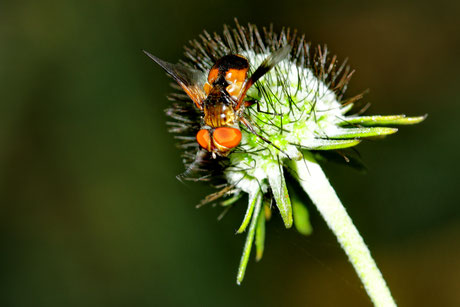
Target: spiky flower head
[301,110]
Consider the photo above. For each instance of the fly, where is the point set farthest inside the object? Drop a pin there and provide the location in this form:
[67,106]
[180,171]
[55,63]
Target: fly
[220,97]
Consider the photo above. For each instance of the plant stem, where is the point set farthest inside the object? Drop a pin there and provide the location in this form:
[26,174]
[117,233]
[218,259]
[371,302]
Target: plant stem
[315,183]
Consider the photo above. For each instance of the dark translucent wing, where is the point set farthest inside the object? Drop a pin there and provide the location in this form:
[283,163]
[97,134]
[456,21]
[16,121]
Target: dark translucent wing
[192,81]
[270,62]
[263,68]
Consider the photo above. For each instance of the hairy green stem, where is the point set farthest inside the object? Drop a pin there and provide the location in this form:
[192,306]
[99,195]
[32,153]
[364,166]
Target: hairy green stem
[315,183]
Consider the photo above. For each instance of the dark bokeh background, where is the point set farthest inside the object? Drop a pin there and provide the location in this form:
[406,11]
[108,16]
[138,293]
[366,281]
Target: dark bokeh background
[91,212]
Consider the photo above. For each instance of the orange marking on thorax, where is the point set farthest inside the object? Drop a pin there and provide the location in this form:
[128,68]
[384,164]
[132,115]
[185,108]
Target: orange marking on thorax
[207,88]
[213,74]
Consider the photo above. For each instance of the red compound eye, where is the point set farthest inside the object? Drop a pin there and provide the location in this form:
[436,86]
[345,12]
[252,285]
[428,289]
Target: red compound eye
[227,137]
[204,139]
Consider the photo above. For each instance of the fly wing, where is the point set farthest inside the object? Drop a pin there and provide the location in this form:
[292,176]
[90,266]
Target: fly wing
[190,80]
[263,68]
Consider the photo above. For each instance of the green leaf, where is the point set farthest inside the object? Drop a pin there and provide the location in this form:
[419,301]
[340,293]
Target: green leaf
[382,120]
[247,217]
[260,235]
[325,144]
[249,240]
[351,133]
[280,193]
[301,216]
[299,209]
[231,200]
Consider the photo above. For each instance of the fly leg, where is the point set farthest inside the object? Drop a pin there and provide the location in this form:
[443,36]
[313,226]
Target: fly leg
[251,102]
[194,167]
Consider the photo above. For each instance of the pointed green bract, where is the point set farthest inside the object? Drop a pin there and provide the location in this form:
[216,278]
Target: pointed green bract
[280,193]
[231,200]
[301,216]
[249,240]
[299,211]
[382,120]
[325,144]
[351,133]
[253,198]
[260,235]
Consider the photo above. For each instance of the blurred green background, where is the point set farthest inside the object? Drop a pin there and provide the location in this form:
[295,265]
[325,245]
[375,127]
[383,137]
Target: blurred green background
[91,211]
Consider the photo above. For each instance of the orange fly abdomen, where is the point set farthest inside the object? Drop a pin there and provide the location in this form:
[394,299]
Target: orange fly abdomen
[235,77]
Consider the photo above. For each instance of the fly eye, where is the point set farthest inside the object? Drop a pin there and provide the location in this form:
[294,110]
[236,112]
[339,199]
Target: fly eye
[227,136]
[204,139]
